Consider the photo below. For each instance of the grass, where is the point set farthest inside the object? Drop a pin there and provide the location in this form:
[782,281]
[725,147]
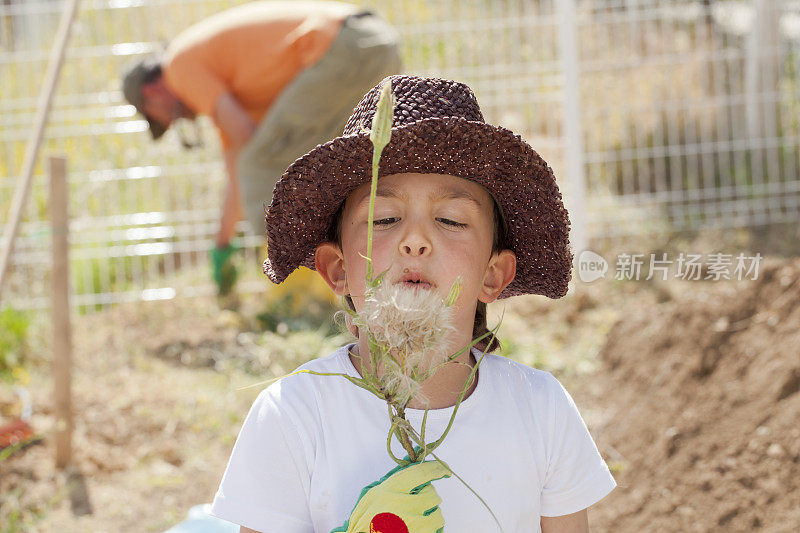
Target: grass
[18,520]
[14,326]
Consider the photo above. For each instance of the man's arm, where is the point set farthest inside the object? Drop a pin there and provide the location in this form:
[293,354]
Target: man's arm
[234,121]
[232,204]
[570,523]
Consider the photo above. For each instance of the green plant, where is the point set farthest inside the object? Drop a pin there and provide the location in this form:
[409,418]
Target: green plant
[17,515]
[14,327]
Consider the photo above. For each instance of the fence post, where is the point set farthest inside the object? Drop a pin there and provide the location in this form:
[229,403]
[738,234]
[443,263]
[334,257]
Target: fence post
[762,72]
[573,132]
[62,342]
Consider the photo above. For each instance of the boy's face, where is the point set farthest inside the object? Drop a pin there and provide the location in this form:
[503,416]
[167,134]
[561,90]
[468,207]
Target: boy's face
[428,230]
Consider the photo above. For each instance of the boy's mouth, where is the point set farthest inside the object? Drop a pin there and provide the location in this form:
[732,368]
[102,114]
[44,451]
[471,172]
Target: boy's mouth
[414,280]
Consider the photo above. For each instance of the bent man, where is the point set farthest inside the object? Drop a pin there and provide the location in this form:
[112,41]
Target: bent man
[276,78]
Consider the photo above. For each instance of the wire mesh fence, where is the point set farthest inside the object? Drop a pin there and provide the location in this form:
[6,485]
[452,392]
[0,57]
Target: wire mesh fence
[690,114]
[663,115]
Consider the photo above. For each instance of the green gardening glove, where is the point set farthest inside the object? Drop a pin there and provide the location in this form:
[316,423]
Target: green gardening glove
[223,269]
[402,501]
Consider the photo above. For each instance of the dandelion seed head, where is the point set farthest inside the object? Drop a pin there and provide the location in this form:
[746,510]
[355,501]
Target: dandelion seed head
[413,325]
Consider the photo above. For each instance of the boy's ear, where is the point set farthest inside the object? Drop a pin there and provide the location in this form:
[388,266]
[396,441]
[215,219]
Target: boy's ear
[329,262]
[499,273]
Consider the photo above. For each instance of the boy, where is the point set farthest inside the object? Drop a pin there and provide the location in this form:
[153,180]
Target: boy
[456,198]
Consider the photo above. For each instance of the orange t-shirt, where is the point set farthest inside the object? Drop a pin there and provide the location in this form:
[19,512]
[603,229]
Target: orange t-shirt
[252,52]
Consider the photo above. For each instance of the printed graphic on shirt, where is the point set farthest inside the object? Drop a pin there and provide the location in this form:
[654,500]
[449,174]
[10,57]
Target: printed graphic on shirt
[402,501]
[387,523]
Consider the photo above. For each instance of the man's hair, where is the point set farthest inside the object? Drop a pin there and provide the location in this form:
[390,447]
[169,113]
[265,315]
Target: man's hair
[152,73]
[499,243]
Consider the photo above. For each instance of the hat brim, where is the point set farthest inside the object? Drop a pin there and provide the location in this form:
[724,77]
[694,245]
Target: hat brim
[311,190]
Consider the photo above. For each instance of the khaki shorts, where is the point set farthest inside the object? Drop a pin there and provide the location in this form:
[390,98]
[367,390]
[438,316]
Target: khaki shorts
[314,107]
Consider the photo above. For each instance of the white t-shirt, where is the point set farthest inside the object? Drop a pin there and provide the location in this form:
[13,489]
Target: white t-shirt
[311,443]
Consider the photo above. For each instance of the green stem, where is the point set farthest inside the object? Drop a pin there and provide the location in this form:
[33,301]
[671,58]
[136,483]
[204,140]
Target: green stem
[402,434]
[422,458]
[399,428]
[369,378]
[373,190]
[392,430]
[451,358]
[438,441]
[460,398]
[360,382]
[422,431]
[470,489]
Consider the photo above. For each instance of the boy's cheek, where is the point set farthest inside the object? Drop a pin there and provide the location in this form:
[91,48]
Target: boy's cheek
[381,255]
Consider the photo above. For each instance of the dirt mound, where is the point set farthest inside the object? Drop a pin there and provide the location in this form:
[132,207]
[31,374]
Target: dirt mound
[705,400]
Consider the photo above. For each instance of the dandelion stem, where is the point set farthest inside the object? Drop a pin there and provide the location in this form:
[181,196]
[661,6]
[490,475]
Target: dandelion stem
[373,190]
[402,434]
[452,357]
[467,384]
[380,135]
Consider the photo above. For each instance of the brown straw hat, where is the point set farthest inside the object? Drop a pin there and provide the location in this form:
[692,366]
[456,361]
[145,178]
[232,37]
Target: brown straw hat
[438,128]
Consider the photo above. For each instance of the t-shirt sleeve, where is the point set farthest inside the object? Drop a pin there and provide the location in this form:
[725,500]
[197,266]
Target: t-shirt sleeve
[576,476]
[265,486]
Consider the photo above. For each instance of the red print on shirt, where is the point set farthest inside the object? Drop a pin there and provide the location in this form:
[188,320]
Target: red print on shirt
[387,523]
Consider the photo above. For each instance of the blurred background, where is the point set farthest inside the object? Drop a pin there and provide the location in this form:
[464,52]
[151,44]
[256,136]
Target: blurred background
[673,128]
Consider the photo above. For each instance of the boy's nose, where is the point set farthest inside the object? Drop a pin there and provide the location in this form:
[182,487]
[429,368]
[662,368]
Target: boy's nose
[415,245]
[415,250]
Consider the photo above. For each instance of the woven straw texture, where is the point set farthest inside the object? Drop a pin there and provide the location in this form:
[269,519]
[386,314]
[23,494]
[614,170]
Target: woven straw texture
[438,128]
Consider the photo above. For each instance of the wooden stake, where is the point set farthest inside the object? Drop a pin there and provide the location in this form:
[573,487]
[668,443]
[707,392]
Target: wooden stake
[62,342]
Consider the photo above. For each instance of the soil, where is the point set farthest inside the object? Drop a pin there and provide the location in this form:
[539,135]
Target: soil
[151,434]
[701,403]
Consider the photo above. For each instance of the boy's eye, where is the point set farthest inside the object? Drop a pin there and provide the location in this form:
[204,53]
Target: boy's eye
[385,221]
[449,222]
